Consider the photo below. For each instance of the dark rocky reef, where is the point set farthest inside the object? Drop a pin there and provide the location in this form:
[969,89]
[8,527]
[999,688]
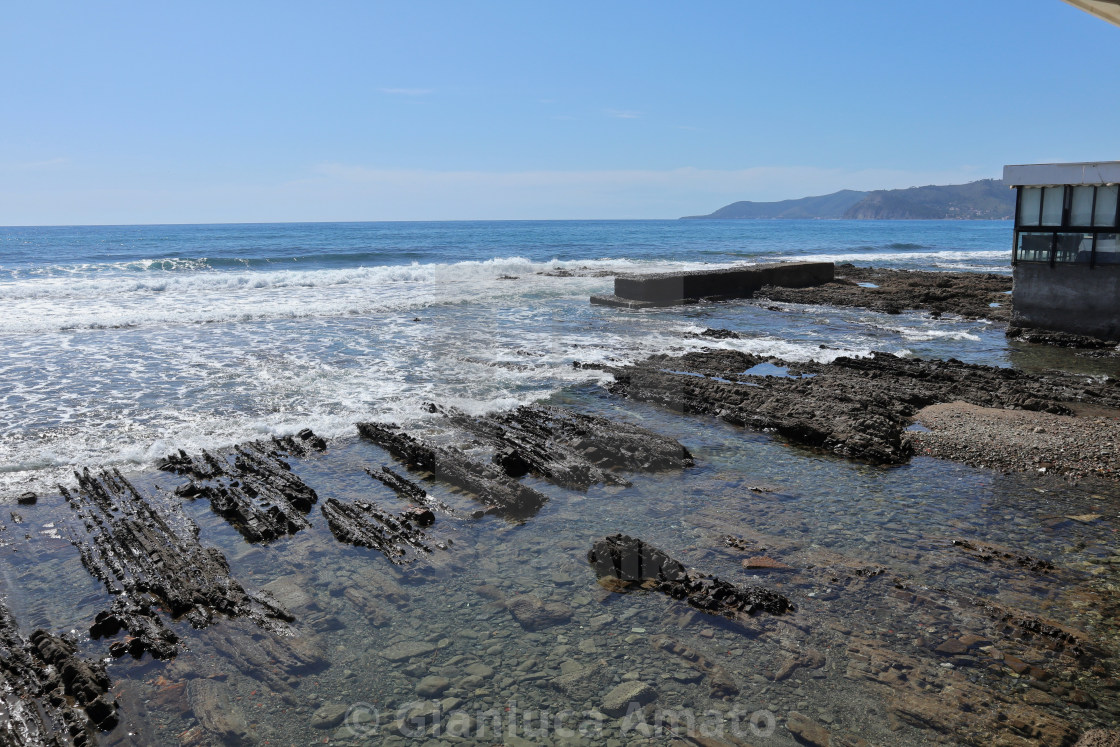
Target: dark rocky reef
[48,694]
[491,486]
[147,552]
[1062,339]
[365,524]
[571,449]
[967,294]
[250,485]
[621,562]
[854,407]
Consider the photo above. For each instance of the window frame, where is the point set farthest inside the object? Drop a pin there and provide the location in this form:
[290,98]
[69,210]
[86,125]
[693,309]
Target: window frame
[1066,226]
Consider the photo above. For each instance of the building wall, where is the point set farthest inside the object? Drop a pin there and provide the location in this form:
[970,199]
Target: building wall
[1068,298]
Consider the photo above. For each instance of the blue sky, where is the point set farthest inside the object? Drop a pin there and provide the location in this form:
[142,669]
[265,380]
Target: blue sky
[126,112]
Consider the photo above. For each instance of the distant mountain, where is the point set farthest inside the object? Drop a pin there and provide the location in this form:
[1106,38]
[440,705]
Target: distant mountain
[987,199]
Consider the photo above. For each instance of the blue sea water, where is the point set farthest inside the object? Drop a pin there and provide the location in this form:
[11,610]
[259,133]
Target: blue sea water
[123,343]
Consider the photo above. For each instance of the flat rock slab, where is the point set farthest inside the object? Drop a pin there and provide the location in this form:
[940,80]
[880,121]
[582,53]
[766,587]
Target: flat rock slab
[408,650]
[626,696]
[329,716]
[535,614]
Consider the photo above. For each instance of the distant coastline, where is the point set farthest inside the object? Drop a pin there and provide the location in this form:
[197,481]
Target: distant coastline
[987,199]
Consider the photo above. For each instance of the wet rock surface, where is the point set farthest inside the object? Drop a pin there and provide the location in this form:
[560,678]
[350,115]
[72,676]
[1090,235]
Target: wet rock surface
[622,562]
[967,294]
[571,449]
[251,485]
[854,407]
[50,695]
[147,553]
[497,491]
[1062,340]
[398,537]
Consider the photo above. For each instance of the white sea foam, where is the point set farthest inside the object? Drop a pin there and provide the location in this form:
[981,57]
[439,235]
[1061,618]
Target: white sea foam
[54,304]
[120,369]
[961,259]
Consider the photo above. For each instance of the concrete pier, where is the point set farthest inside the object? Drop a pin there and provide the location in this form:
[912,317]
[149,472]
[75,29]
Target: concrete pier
[672,288]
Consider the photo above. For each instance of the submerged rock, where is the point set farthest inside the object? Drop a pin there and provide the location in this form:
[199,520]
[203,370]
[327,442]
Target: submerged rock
[630,562]
[215,709]
[625,697]
[535,614]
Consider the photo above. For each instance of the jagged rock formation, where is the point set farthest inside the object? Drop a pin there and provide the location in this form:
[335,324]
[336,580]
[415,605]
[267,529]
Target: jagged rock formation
[490,486]
[626,561]
[250,485]
[967,294]
[854,407]
[146,552]
[571,449]
[48,694]
[365,524]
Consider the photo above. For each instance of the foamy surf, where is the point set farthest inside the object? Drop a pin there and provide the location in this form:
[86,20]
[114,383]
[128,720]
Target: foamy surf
[125,344]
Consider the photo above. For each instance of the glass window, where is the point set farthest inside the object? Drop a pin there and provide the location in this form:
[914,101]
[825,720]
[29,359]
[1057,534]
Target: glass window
[1030,202]
[1081,209]
[1105,214]
[1074,247]
[1108,249]
[1053,199]
[1034,247]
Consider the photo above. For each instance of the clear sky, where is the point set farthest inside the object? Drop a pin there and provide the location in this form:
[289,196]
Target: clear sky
[153,112]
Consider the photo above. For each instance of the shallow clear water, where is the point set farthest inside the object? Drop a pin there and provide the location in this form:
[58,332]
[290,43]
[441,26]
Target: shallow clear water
[822,516]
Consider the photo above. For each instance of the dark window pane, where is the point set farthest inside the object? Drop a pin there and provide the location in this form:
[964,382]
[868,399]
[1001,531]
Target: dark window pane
[1108,249]
[1031,203]
[1034,247]
[1074,247]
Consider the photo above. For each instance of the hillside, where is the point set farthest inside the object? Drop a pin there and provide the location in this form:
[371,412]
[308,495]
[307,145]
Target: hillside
[987,199]
[825,206]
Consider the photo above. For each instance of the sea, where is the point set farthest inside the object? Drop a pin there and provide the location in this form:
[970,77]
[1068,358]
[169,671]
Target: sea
[121,344]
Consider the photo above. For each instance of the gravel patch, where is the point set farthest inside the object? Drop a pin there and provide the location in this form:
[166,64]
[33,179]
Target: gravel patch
[1020,440]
